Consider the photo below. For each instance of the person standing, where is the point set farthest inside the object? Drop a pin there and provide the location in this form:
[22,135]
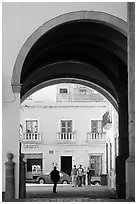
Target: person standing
[55,177]
[80,175]
[84,176]
[89,176]
[74,176]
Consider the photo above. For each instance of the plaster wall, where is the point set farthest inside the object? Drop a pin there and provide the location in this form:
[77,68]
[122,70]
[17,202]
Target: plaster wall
[49,119]
[10,139]
[80,154]
[49,125]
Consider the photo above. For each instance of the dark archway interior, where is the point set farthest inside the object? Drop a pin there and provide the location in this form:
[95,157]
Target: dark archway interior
[85,42]
[90,51]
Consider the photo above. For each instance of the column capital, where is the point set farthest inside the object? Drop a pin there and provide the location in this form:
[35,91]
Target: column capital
[16,88]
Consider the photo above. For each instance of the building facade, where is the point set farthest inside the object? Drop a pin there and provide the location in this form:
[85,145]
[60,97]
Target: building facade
[68,131]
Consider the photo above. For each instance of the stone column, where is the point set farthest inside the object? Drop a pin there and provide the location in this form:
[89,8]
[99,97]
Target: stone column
[123,131]
[10,178]
[22,179]
[130,162]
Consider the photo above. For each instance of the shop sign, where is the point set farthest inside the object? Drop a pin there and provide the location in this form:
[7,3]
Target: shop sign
[31,146]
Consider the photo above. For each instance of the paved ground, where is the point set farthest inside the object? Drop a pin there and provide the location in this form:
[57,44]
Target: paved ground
[66,193]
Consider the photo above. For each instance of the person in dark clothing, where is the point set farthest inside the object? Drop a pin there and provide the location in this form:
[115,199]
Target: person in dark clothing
[89,176]
[54,175]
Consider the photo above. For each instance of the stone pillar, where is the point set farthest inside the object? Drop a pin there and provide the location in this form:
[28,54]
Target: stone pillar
[123,131]
[22,179]
[10,178]
[130,162]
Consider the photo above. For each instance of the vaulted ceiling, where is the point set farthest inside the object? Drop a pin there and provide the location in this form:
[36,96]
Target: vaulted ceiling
[80,49]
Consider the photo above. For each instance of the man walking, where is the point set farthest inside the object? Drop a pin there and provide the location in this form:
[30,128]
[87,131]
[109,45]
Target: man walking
[54,175]
[74,176]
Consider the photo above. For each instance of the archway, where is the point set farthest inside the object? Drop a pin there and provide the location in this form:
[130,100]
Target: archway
[89,46]
[72,80]
[52,110]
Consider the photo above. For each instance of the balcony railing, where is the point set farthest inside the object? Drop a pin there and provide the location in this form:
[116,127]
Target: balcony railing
[66,137]
[36,137]
[98,136]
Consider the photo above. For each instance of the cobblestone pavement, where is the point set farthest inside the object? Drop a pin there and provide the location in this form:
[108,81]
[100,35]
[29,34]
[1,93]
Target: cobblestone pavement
[66,193]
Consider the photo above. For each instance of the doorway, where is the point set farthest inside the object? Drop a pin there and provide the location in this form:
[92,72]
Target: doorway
[34,168]
[66,164]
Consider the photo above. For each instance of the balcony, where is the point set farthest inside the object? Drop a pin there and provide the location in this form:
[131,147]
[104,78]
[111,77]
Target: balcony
[98,136]
[69,137]
[31,137]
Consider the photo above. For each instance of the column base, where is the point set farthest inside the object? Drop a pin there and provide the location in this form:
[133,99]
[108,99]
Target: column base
[130,177]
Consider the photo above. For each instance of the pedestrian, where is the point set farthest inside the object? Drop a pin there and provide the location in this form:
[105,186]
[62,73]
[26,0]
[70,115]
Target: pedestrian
[80,175]
[84,176]
[74,176]
[89,176]
[54,175]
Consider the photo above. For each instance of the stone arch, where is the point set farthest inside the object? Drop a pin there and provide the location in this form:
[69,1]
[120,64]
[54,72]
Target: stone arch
[90,69]
[72,80]
[94,16]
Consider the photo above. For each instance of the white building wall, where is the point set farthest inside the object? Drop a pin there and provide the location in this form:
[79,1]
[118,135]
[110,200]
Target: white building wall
[49,125]
[10,138]
[111,134]
[49,119]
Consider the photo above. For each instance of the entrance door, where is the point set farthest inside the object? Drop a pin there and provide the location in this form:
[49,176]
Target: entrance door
[96,165]
[66,164]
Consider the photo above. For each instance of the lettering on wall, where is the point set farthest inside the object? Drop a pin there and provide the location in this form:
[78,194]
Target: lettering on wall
[30,146]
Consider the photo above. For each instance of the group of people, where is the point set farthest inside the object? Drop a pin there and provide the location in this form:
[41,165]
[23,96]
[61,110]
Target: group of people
[80,176]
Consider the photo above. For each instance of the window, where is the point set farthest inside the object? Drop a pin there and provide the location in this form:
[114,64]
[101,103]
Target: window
[34,165]
[29,98]
[31,126]
[83,91]
[96,165]
[66,126]
[96,126]
[63,90]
